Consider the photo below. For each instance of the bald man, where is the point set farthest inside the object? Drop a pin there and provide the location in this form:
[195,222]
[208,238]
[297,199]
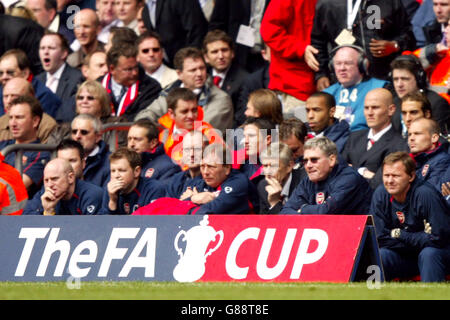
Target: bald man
[366,149]
[63,193]
[87,26]
[14,88]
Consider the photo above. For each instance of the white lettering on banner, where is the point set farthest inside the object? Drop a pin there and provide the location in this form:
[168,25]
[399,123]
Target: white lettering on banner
[148,239]
[30,234]
[77,257]
[302,257]
[233,270]
[262,270]
[87,252]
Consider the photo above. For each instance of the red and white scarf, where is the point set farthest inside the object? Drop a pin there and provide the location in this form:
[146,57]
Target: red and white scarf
[126,100]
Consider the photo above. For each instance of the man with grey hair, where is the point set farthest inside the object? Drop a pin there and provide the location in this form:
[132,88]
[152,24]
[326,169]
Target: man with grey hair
[281,177]
[63,193]
[87,130]
[331,187]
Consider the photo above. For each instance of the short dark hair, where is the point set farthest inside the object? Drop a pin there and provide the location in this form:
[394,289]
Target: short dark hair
[419,97]
[217,35]
[22,60]
[260,123]
[294,127]
[122,35]
[184,53]
[330,101]
[148,34]
[405,158]
[51,4]
[35,105]
[71,144]
[150,126]
[177,94]
[133,158]
[62,39]
[123,50]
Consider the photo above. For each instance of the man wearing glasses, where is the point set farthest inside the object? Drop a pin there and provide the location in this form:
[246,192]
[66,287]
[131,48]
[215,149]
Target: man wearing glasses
[86,129]
[150,56]
[129,88]
[331,187]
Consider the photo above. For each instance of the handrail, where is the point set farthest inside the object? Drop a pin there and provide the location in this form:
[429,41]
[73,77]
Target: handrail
[20,148]
[113,139]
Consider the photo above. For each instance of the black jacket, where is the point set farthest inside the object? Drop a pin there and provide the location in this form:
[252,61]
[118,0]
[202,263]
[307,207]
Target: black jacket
[180,23]
[433,33]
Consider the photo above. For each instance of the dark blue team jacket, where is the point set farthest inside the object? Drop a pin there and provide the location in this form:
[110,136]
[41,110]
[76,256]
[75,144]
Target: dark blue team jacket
[343,192]
[158,165]
[431,166]
[423,202]
[180,182]
[87,199]
[146,191]
[97,167]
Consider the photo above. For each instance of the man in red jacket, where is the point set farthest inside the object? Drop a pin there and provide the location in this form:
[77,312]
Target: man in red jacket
[286,29]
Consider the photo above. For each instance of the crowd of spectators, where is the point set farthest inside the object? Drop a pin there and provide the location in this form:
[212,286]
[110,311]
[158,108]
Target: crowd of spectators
[234,107]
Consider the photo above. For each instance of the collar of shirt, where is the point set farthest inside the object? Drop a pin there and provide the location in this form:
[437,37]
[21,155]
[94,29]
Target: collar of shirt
[54,25]
[157,75]
[222,75]
[287,186]
[377,136]
[58,73]
[95,151]
[195,91]
[176,131]
[115,87]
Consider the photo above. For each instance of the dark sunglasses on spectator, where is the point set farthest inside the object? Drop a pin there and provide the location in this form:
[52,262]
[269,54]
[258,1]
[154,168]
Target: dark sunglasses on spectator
[146,50]
[82,131]
[313,160]
[90,98]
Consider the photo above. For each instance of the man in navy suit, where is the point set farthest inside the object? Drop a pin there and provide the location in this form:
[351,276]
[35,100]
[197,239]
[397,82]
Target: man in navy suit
[58,76]
[366,149]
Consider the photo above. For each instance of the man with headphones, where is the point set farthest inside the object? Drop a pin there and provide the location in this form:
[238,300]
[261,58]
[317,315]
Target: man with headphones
[350,66]
[408,76]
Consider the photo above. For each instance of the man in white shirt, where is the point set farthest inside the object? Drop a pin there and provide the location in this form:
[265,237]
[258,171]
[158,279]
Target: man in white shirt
[151,55]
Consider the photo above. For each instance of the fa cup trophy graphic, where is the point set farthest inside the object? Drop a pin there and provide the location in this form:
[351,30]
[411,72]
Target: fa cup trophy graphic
[191,265]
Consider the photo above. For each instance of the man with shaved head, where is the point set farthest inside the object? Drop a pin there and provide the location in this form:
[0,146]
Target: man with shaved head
[87,27]
[14,88]
[63,193]
[366,149]
[430,154]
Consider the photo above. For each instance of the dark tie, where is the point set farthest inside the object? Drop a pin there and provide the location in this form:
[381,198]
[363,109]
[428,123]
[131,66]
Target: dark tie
[217,80]
[122,93]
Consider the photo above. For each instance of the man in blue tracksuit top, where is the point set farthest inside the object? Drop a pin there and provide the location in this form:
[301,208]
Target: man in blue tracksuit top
[127,190]
[222,189]
[412,222]
[156,164]
[320,109]
[64,194]
[430,155]
[331,187]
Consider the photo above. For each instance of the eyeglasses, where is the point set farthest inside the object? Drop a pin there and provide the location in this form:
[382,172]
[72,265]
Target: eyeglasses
[313,160]
[82,131]
[8,72]
[154,50]
[90,98]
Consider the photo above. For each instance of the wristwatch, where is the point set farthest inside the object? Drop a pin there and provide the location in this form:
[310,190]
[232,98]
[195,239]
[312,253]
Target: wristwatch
[395,233]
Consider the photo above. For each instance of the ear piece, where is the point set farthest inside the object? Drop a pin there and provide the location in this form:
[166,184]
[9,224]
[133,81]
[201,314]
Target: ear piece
[419,74]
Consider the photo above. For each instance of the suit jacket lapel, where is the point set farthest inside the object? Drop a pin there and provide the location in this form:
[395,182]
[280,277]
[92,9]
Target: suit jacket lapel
[159,5]
[62,84]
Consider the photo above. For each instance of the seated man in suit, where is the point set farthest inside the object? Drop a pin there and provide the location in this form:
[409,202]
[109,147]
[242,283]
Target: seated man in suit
[281,177]
[228,75]
[156,164]
[366,149]
[150,56]
[59,77]
[320,109]
[64,193]
[14,63]
[191,68]
[331,186]
[429,154]
[129,88]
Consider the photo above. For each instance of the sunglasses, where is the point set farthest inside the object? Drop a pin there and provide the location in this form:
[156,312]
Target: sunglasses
[90,98]
[82,131]
[154,50]
[313,160]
